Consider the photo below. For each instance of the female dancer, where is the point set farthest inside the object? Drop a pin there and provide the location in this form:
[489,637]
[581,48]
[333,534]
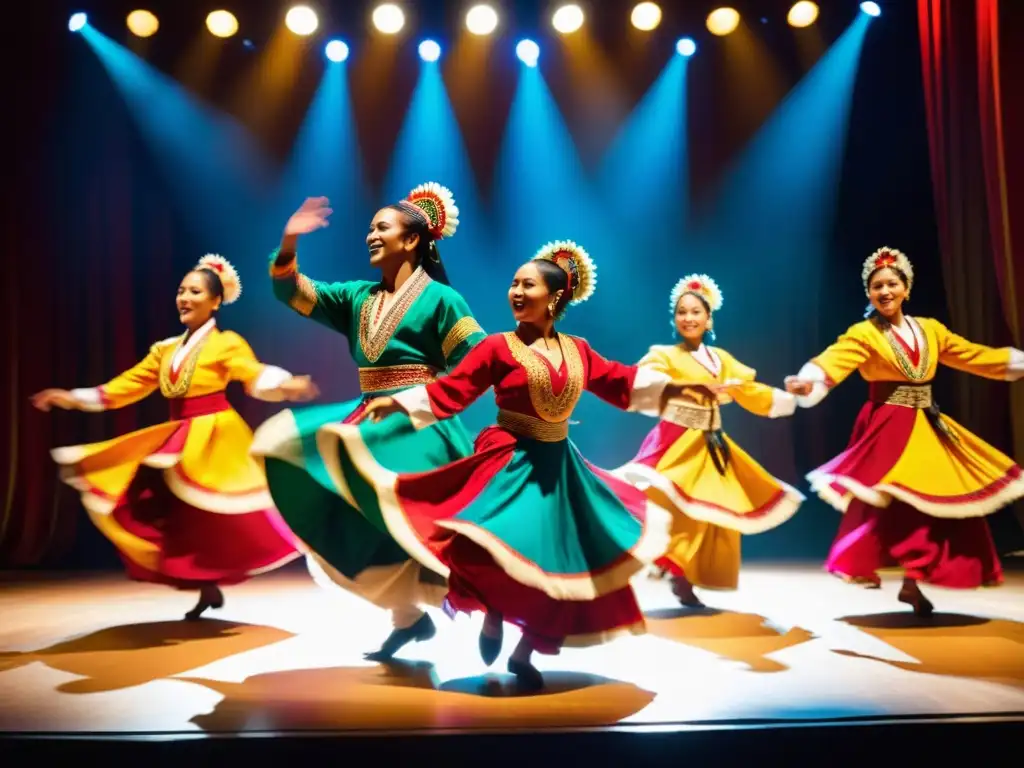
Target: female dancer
[401,331]
[914,485]
[526,529]
[715,491]
[182,501]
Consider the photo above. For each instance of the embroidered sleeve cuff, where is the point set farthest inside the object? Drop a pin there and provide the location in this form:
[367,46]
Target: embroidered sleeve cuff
[1015,369]
[648,387]
[416,402]
[783,404]
[283,264]
[812,372]
[266,384]
[90,399]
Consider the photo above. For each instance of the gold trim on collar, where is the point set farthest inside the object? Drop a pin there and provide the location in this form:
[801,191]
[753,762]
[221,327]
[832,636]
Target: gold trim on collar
[549,406]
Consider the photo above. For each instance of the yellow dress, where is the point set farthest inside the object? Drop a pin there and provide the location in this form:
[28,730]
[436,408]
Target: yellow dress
[182,501]
[715,495]
[913,483]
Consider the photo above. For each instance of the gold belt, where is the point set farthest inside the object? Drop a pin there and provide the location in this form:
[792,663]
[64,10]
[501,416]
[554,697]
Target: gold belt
[906,395]
[536,429]
[693,416]
[394,377]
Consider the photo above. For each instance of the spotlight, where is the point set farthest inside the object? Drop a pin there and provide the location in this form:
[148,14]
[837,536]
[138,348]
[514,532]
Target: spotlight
[722,21]
[336,50]
[481,20]
[430,50]
[646,16]
[528,52]
[302,20]
[388,18]
[567,19]
[142,23]
[77,21]
[686,47]
[222,23]
[871,9]
[802,14]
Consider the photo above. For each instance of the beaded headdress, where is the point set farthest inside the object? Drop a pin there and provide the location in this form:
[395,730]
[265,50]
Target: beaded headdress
[576,263]
[438,204]
[886,257]
[702,285]
[228,275]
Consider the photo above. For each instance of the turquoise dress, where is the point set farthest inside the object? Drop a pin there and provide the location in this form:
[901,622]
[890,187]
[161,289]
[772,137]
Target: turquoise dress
[427,329]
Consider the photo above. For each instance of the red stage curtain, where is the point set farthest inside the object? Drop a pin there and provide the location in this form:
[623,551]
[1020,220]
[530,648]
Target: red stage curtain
[973,105]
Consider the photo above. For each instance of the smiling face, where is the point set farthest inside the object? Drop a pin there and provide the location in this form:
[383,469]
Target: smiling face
[887,290]
[692,318]
[389,238]
[529,296]
[196,302]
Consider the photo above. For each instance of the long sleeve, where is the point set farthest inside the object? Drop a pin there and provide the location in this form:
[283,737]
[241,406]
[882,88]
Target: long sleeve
[451,394]
[751,395]
[260,380]
[636,388]
[457,328]
[1005,363]
[831,367]
[329,304]
[133,385]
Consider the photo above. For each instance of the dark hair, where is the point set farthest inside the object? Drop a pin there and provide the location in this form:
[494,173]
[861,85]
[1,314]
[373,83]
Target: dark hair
[709,334]
[416,222]
[871,313]
[556,279]
[213,282]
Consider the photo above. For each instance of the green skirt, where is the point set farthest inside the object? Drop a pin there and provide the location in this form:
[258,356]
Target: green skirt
[321,496]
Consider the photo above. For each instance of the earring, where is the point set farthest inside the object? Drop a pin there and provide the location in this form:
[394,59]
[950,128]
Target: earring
[551,310]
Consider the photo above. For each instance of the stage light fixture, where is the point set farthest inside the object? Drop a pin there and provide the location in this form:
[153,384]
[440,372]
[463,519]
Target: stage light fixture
[302,20]
[222,23]
[686,47]
[388,18]
[871,9]
[723,21]
[567,19]
[336,51]
[802,14]
[528,52]
[142,23]
[77,21]
[430,50]
[481,19]
[646,16]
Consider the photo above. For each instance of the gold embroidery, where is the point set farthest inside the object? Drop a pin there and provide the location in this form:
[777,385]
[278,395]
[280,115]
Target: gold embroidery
[527,426]
[903,361]
[549,407]
[374,347]
[693,416]
[304,299]
[461,331]
[394,377]
[173,388]
[906,395]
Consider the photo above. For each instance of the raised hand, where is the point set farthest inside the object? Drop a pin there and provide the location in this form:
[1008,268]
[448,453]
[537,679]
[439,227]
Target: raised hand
[50,398]
[377,409]
[798,386]
[299,389]
[311,216]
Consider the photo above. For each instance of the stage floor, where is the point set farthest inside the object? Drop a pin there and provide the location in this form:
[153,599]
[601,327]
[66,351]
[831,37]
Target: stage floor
[101,654]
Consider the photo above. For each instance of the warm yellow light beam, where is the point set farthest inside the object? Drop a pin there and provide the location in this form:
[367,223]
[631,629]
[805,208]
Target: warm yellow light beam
[142,23]
[723,21]
[222,23]
[802,14]
[567,19]
[646,16]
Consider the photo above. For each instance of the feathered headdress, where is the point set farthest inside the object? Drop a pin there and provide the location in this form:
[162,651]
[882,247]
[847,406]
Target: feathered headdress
[702,285]
[228,275]
[886,257]
[438,204]
[577,264]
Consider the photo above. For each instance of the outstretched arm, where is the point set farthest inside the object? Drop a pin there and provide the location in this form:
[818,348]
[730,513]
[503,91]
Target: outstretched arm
[133,385]
[1004,363]
[262,381]
[828,369]
[750,394]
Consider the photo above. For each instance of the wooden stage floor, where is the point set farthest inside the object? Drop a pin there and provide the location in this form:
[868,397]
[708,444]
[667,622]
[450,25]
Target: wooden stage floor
[101,654]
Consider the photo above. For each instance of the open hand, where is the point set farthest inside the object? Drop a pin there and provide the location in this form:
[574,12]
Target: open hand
[377,409]
[311,216]
[50,398]
[299,389]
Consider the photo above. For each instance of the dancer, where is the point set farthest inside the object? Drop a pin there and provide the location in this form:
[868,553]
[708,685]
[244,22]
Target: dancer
[526,529]
[914,485]
[715,491]
[402,330]
[182,501]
